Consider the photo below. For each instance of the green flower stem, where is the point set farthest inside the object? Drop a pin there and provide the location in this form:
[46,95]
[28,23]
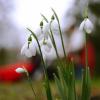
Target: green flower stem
[39,50]
[47,87]
[52,37]
[60,63]
[30,83]
[86,84]
[60,31]
[44,18]
[86,50]
[71,82]
[55,47]
[53,41]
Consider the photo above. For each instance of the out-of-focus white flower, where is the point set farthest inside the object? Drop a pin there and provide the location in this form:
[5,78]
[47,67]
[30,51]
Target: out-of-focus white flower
[76,41]
[86,25]
[20,70]
[46,47]
[29,50]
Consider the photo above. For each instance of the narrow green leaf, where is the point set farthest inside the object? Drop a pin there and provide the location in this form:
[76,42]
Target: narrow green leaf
[44,18]
[86,85]
[62,80]
[60,31]
[60,88]
[71,83]
[47,88]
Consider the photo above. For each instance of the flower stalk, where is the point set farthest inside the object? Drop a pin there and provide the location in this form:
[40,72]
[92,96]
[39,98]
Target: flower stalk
[23,70]
[60,32]
[86,84]
[47,85]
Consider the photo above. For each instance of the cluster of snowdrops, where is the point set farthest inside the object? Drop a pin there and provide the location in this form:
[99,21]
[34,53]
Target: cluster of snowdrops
[44,43]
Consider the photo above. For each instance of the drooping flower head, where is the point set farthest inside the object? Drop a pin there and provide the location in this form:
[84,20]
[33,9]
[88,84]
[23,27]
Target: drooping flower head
[20,70]
[86,25]
[29,48]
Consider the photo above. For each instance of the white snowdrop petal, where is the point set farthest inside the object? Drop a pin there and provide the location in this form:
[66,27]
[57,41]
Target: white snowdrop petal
[77,41]
[51,55]
[47,47]
[20,70]
[32,49]
[89,26]
[82,26]
[24,49]
[46,28]
[86,25]
[49,44]
[28,53]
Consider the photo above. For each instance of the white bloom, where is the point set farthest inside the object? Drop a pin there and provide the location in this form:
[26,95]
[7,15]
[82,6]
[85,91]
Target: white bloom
[76,41]
[20,70]
[29,51]
[86,25]
[45,47]
[48,49]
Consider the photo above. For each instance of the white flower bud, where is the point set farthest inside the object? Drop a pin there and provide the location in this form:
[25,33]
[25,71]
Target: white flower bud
[86,25]
[20,70]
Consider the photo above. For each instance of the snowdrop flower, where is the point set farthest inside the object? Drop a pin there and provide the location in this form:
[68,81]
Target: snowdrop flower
[86,25]
[29,50]
[49,48]
[20,70]
[48,52]
[45,47]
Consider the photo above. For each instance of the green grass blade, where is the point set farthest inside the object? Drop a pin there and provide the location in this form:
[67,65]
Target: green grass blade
[60,31]
[48,89]
[71,83]
[86,85]
[60,88]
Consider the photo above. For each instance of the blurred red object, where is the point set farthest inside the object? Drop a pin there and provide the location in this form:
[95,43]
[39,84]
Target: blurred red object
[8,73]
[80,57]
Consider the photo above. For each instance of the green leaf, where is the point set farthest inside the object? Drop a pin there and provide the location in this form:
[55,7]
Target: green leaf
[86,85]
[44,18]
[60,31]
[62,80]
[60,88]
[47,88]
[71,83]
[53,41]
